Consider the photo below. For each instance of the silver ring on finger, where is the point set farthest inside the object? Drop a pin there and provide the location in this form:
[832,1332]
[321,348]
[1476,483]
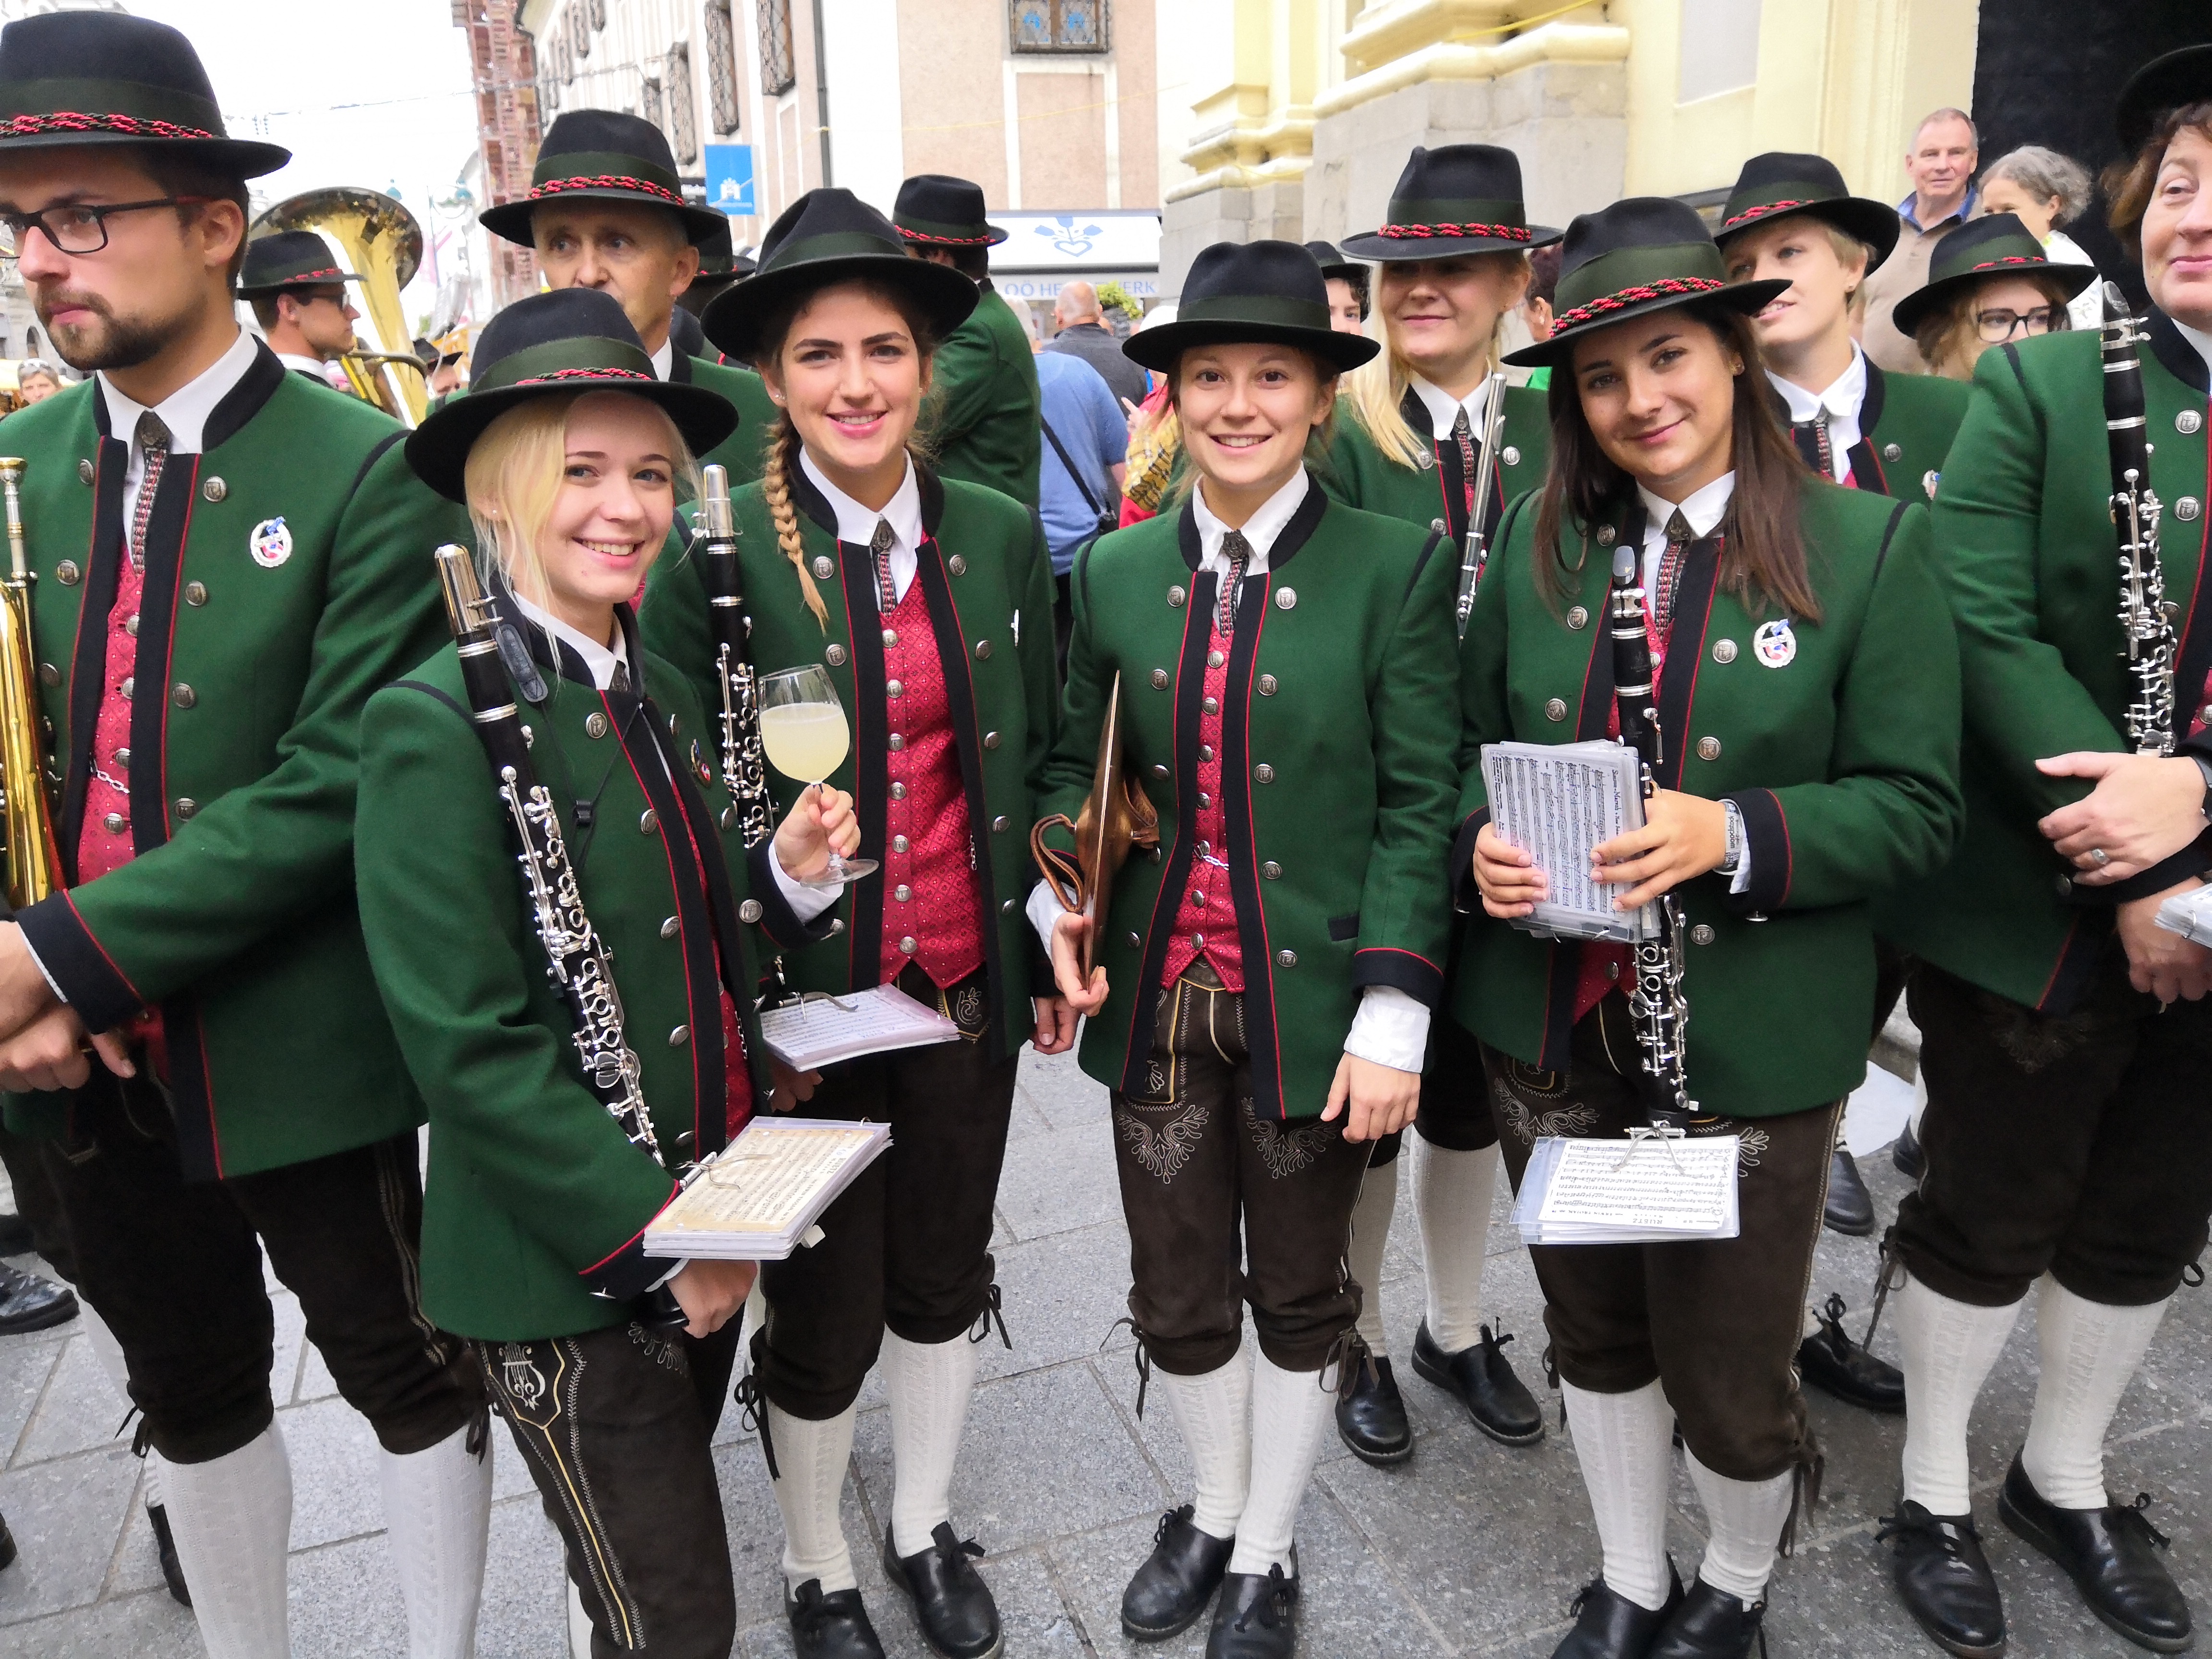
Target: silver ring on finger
[2100,857]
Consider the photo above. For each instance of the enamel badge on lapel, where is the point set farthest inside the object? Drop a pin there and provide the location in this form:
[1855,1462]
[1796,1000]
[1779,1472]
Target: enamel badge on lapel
[270,543]
[1929,481]
[706,773]
[1775,644]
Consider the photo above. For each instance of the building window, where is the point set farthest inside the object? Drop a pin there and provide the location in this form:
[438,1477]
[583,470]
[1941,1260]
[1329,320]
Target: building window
[579,30]
[1058,25]
[598,14]
[683,107]
[650,102]
[779,64]
[721,66]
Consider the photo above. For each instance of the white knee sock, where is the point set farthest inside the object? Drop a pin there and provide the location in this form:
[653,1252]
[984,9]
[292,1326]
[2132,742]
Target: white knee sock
[109,1353]
[1947,1348]
[1371,1235]
[233,1521]
[930,1385]
[1291,1417]
[1451,1197]
[2089,1351]
[1213,1413]
[1743,1526]
[810,1458]
[1625,1443]
[437,1513]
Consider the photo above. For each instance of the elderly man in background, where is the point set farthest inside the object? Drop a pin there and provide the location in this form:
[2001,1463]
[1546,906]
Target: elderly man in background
[1082,332]
[1946,150]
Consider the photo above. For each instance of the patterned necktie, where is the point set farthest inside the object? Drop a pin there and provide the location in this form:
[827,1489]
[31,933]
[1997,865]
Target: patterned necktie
[1238,552]
[621,682]
[1823,444]
[880,549]
[1463,430]
[1670,573]
[153,436]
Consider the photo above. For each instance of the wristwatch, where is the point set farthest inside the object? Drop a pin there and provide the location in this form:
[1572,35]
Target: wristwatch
[1734,862]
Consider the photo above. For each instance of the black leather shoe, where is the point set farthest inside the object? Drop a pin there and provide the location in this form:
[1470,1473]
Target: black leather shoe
[1833,1362]
[1851,1206]
[173,1570]
[951,1602]
[1711,1624]
[1257,1617]
[1177,1581]
[1609,1625]
[14,1235]
[1371,1418]
[7,1544]
[1906,1155]
[832,1626]
[28,1302]
[1484,1383]
[2110,1554]
[1944,1580]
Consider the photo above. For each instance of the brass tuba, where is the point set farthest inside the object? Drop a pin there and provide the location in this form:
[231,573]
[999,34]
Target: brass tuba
[34,867]
[378,239]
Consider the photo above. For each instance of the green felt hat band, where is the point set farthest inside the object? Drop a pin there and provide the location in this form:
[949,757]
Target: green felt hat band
[832,244]
[1261,310]
[1639,267]
[103,101]
[578,358]
[607,170]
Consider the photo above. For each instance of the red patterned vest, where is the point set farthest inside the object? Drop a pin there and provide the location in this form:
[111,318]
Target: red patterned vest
[933,909]
[1205,921]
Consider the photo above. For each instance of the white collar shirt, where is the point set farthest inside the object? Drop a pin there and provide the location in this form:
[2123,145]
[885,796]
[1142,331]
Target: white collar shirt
[314,367]
[1260,530]
[599,660]
[664,359]
[1703,509]
[1841,402]
[184,412]
[1444,409]
[2200,339]
[857,524]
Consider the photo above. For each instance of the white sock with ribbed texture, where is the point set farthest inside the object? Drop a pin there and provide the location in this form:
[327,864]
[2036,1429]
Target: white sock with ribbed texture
[1946,1348]
[1370,1236]
[2089,1352]
[931,1384]
[1213,1413]
[1452,1194]
[1623,1442]
[811,1459]
[1291,1417]
[232,1517]
[437,1513]
[1743,1529]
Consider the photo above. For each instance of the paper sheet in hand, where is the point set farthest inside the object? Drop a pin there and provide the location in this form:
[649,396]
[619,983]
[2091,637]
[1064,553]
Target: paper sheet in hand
[1558,802]
[756,1198]
[1622,1192]
[2189,914]
[822,1031]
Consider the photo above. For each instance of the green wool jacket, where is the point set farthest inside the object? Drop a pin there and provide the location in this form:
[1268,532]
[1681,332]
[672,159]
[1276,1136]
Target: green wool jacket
[1906,424]
[1843,759]
[981,418]
[2025,543]
[1434,492]
[1338,776]
[288,575]
[741,451]
[534,1199]
[988,580]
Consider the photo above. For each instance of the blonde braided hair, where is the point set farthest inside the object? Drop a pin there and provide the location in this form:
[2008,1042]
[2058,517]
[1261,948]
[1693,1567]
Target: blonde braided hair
[775,486]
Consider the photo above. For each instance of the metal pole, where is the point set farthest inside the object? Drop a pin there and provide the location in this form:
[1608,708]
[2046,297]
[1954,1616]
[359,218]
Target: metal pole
[821,89]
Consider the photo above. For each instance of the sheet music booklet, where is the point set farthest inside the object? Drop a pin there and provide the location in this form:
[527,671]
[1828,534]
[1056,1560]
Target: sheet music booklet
[2189,914]
[757,1198]
[1558,802]
[1652,1189]
[820,1030]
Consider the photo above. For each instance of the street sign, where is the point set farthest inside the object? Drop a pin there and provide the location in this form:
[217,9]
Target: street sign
[730,179]
[1079,243]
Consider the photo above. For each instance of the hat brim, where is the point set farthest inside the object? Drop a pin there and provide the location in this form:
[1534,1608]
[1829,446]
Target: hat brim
[438,450]
[1749,298]
[1157,349]
[733,320]
[511,220]
[1916,306]
[2173,81]
[1872,223]
[1411,250]
[244,157]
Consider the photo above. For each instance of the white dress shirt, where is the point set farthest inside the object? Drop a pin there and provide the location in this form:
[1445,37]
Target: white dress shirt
[1843,401]
[1390,1028]
[2200,339]
[664,359]
[184,412]
[1444,408]
[857,523]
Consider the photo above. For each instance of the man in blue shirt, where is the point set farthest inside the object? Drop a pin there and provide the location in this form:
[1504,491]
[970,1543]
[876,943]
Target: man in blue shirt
[1945,156]
[1080,413]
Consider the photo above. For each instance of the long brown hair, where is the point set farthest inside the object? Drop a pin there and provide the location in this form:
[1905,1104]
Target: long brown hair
[2129,180]
[1763,554]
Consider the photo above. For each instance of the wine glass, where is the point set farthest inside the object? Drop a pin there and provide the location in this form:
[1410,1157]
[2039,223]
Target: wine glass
[805,736]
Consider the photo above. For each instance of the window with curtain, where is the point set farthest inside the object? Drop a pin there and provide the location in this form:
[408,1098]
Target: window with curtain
[682,127]
[779,64]
[1058,25]
[650,102]
[579,29]
[722,46]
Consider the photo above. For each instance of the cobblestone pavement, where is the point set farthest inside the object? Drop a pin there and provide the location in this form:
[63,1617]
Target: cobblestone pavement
[1469,1548]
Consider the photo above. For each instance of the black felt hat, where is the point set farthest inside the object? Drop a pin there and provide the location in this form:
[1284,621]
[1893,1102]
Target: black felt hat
[1646,254]
[939,211]
[608,155]
[1995,246]
[102,78]
[1243,293]
[827,236]
[571,340]
[1777,184]
[1332,263]
[288,258]
[2173,81]
[719,265]
[1457,199]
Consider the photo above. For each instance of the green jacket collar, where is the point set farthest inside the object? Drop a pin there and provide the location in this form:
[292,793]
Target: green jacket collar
[811,503]
[1295,534]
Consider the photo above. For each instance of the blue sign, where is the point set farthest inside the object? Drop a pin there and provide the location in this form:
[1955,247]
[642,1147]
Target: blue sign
[730,179]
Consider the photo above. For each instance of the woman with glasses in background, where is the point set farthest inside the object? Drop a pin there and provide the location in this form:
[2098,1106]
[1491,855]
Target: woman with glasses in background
[2045,189]
[1987,282]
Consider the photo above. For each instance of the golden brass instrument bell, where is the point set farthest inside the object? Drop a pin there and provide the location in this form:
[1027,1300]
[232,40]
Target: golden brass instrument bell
[378,240]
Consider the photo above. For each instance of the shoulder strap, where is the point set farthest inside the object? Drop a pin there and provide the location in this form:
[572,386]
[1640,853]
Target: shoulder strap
[1061,450]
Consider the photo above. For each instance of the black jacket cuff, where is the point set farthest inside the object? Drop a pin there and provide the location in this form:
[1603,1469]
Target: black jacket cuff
[1416,976]
[89,979]
[2194,859]
[777,918]
[629,1273]
[1766,844]
[1466,898]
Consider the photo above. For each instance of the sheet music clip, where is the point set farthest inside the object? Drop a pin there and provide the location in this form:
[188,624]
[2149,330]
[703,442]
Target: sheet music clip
[1662,1134]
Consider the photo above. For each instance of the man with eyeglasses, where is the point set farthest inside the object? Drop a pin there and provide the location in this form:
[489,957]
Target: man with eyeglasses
[297,289]
[229,561]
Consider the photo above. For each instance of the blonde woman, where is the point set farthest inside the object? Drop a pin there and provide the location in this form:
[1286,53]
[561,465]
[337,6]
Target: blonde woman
[569,454]
[1996,285]
[929,603]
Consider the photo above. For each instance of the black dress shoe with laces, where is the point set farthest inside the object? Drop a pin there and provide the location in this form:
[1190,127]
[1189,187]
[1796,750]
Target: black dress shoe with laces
[1485,1383]
[14,1235]
[1835,1363]
[28,1302]
[1177,1581]
[1944,1580]
[1256,1618]
[1712,1624]
[7,1544]
[2112,1556]
[1371,1419]
[173,1570]
[951,1602]
[1907,1156]
[831,1626]
[1609,1625]
[1850,1206]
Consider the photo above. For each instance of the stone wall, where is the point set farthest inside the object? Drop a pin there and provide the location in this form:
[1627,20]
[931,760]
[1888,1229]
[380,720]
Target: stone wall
[1233,214]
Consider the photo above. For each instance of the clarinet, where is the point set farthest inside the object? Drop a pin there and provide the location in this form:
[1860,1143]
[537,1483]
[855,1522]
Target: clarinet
[744,764]
[576,958]
[2145,623]
[1475,549]
[1660,1009]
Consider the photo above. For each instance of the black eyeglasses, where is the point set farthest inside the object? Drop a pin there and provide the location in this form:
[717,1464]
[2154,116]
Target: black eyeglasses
[79,228]
[1998,326]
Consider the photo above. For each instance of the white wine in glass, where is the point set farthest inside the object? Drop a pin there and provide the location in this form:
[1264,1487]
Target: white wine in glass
[806,736]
